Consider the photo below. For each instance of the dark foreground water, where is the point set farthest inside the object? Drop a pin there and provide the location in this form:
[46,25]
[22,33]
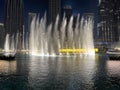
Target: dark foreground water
[60,73]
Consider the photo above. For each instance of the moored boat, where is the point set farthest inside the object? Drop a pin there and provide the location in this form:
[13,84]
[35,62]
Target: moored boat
[113,54]
[7,56]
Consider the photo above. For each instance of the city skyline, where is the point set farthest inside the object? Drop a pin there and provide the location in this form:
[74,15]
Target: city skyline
[36,6]
[109,21]
[13,23]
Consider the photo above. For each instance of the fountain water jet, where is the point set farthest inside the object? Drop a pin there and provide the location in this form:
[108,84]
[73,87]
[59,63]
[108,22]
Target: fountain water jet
[6,45]
[9,46]
[51,40]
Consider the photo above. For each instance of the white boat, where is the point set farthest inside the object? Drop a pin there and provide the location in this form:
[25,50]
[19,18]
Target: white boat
[7,56]
[113,53]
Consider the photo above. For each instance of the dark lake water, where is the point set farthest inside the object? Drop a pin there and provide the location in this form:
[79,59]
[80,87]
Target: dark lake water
[60,73]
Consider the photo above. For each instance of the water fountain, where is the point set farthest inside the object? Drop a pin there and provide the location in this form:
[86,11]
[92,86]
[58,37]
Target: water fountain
[9,48]
[52,40]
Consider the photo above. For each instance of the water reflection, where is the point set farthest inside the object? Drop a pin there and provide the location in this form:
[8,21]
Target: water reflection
[60,73]
[106,76]
[73,72]
[7,67]
[113,68]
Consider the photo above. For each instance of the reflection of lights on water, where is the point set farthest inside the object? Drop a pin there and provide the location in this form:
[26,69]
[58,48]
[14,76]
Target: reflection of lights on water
[113,67]
[7,67]
[42,54]
[62,67]
[64,55]
[68,52]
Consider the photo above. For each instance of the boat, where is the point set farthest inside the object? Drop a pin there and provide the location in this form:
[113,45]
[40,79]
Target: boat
[113,54]
[7,56]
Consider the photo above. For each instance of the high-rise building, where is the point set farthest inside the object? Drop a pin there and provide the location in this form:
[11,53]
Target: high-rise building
[88,15]
[2,35]
[54,9]
[14,19]
[109,20]
[67,11]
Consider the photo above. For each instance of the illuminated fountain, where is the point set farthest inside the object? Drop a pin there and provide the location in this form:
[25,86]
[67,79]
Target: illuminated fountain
[6,44]
[53,40]
[9,48]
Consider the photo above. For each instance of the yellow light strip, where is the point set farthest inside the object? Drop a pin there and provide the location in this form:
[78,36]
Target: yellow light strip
[77,50]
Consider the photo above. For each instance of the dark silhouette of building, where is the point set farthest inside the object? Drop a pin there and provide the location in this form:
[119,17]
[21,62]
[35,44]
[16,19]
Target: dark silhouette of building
[54,9]
[88,16]
[2,32]
[109,20]
[14,19]
[67,11]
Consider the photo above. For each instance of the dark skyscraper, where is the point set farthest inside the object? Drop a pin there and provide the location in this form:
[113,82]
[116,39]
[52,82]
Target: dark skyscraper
[67,10]
[2,32]
[109,20]
[54,9]
[14,18]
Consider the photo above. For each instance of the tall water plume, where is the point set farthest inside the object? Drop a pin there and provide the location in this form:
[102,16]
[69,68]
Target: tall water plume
[49,40]
[9,46]
[6,45]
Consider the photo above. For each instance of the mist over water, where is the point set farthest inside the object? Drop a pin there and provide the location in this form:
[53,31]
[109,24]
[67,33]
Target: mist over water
[48,40]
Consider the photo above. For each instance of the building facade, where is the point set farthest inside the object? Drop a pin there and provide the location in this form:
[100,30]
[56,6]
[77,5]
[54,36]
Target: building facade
[67,11]
[2,34]
[13,22]
[54,9]
[109,20]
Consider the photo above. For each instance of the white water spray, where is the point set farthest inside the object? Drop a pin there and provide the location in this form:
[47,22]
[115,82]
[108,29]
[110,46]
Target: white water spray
[48,40]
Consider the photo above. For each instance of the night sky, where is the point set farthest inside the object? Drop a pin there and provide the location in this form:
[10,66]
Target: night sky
[40,6]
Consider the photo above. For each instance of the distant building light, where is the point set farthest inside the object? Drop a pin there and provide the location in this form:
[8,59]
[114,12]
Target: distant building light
[103,22]
[118,17]
[102,10]
[99,25]
[1,24]
[111,10]
[68,7]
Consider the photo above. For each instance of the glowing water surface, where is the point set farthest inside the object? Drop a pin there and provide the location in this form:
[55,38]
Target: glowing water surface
[82,72]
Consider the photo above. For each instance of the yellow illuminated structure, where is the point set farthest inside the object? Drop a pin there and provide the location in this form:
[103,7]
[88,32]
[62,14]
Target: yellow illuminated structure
[77,50]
